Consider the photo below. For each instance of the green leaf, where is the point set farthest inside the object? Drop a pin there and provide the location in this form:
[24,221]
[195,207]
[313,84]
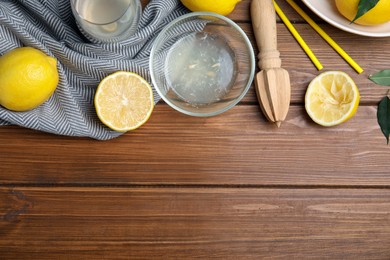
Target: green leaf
[384,116]
[363,7]
[381,78]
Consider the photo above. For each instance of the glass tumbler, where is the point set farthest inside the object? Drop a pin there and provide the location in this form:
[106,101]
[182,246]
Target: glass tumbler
[107,20]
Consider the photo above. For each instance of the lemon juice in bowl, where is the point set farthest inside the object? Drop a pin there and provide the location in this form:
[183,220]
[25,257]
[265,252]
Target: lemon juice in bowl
[200,68]
[107,20]
[202,64]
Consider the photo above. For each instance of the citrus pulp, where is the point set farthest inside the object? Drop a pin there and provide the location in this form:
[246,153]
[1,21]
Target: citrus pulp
[124,101]
[331,98]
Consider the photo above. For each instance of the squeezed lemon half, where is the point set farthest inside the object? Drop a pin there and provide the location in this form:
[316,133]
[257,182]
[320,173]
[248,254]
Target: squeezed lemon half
[124,101]
[332,98]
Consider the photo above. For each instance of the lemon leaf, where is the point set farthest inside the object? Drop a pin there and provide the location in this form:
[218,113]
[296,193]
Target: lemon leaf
[363,7]
[381,78]
[383,116]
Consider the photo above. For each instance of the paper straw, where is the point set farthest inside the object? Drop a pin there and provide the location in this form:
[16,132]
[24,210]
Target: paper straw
[298,37]
[326,37]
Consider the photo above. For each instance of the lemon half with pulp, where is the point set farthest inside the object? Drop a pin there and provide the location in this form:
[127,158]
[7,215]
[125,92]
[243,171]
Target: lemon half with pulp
[332,98]
[124,101]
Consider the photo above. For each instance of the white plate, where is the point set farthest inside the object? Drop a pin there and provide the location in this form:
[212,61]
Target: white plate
[326,9]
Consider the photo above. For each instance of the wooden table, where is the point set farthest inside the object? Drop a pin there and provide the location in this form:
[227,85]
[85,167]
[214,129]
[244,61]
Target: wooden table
[231,186]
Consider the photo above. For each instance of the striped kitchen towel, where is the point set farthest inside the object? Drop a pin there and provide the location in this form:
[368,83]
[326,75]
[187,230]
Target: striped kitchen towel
[49,26]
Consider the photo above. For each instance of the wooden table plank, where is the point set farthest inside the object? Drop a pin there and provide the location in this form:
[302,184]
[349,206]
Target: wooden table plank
[238,147]
[242,13]
[63,223]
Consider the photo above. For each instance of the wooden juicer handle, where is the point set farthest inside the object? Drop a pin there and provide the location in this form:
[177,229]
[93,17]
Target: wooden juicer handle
[264,27]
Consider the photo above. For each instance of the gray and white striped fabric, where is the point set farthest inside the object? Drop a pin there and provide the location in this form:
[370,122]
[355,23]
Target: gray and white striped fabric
[49,25]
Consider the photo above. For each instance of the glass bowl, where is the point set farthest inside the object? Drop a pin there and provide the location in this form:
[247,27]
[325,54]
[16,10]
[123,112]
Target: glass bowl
[202,64]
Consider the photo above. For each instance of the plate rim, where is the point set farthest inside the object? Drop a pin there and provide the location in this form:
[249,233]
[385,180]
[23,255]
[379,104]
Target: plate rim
[308,3]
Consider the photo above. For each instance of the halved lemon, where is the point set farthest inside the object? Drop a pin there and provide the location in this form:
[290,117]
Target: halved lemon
[124,101]
[332,98]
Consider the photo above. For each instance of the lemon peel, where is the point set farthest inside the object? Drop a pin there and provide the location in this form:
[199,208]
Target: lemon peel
[28,77]
[222,7]
[379,14]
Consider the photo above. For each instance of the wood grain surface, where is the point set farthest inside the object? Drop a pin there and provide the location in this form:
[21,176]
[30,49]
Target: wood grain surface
[226,187]
[161,223]
[238,148]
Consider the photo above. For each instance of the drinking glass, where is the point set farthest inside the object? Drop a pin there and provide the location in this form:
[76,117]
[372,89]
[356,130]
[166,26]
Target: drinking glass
[107,20]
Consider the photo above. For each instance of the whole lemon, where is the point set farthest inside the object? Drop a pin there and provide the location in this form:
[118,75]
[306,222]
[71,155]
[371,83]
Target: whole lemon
[28,77]
[222,7]
[379,14]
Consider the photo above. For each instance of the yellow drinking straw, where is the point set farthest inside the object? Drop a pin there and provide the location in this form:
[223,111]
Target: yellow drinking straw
[297,37]
[326,37]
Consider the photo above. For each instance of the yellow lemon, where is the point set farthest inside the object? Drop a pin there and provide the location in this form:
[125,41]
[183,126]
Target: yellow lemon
[332,98]
[379,14]
[124,101]
[28,77]
[222,7]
